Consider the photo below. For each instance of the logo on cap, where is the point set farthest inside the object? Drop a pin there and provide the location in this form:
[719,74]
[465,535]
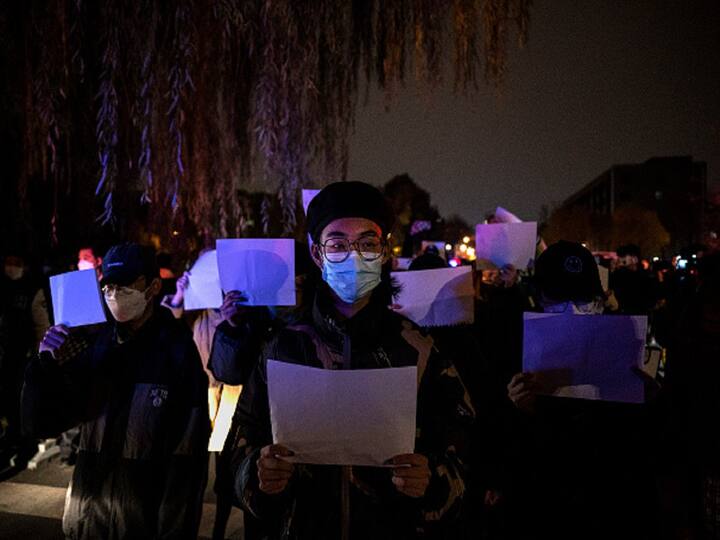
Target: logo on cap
[573,264]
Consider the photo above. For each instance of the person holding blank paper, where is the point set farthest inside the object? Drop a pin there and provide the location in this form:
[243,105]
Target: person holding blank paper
[139,393]
[582,468]
[349,326]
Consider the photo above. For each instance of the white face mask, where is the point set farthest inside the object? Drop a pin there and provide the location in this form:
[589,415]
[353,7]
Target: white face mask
[126,304]
[14,272]
[85,265]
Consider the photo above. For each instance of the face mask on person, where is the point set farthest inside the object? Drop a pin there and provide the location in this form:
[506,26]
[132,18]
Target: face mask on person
[353,278]
[14,272]
[126,304]
[85,265]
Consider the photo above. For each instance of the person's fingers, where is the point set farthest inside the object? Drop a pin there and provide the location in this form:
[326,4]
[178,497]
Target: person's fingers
[410,459]
[235,296]
[274,475]
[273,488]
[59,329]
[272,464]
[409,487]
[53,343]
[273,450]
[411,472]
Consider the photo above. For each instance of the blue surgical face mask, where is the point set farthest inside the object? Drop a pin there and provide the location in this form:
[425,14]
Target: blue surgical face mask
[353,278]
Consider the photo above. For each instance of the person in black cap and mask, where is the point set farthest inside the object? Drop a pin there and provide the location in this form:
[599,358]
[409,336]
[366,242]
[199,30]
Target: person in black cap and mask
[350,326]
[138,390]
[584,476]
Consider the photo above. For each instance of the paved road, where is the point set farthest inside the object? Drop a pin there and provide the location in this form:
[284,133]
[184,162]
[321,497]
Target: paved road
[31,505]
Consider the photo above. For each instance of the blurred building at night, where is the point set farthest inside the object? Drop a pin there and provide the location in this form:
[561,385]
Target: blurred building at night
[659,204]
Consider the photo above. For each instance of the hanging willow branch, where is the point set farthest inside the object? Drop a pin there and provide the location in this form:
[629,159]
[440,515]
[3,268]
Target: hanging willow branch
[197,99]
[107,129]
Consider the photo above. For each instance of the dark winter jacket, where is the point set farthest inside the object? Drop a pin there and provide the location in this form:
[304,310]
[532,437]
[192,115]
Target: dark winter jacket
[142,405]
[310,506]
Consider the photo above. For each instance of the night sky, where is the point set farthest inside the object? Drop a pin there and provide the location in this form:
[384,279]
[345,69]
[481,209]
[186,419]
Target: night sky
[599,83]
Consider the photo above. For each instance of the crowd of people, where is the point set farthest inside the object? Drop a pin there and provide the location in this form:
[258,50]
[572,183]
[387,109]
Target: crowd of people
[143,400]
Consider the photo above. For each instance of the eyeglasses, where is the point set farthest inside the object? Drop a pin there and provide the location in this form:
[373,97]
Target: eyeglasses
[117,290]
[337,250]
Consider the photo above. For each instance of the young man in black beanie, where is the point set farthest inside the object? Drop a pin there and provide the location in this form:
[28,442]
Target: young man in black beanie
[139,393]
[350,326]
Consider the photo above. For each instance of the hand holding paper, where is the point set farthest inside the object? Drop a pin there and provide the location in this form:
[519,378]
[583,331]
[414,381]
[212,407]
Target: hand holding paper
[234,307]
[274,472]
[411,475]
[54,339]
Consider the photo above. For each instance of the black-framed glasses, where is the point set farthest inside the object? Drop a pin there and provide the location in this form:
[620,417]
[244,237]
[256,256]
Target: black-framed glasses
[337,250]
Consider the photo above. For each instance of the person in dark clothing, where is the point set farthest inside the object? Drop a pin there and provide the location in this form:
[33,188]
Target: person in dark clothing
[236,349]
[586,461]
[632,285]
[139,393]
[350,326]
[487,473]
[17,340]
[691,450]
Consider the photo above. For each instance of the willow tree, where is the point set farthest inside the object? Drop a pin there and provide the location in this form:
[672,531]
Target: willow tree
[179,103]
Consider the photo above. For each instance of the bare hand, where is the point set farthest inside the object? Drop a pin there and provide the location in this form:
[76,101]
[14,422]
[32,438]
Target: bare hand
[412,480]
[54,339]
[493,497]
[522,390]
[233,307]
[274,473]
[508,276]
[181,286]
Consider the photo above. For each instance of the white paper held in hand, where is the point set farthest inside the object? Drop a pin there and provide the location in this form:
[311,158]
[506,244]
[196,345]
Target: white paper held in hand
[336,417]
[586,356]
[507,243]
[262,269]
[437,297]
[204,290]
[76,298]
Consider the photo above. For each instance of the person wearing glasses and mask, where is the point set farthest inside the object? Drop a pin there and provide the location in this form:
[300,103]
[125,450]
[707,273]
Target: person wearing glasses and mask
[139,393]
[348,325]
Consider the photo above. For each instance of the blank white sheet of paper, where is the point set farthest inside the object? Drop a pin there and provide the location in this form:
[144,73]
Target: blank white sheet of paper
[263,269]
[586,356]
[204,290]
[76,298]
[334,417]
[506,243]
[437,297]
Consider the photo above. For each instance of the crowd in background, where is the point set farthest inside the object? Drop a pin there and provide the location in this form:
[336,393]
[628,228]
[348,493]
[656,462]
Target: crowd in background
[537,467]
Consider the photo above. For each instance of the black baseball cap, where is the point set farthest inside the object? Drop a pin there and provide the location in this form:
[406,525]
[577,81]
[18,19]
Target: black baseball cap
[125,263]
[567,271]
